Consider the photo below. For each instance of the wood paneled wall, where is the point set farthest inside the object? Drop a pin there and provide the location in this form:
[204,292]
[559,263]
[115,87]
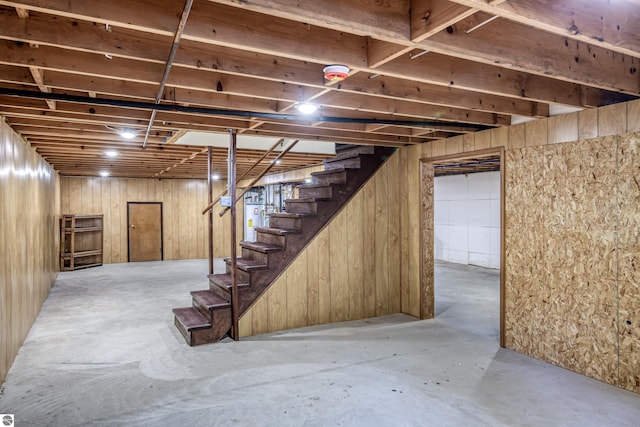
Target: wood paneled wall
[572,223]
[29,212]
[350,270]
[184,227]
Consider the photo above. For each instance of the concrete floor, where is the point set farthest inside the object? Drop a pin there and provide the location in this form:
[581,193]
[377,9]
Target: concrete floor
[104,352]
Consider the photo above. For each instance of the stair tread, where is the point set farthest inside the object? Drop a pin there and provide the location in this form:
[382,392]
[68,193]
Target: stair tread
[210,299]
[329,171]
[342,156]
[276,231]
[288,215]
[191,318]
[225,280]
[261,247]
[307,200]
[247,264]
[304,186]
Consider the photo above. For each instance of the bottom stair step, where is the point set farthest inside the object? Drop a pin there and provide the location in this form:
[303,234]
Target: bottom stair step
[190,318]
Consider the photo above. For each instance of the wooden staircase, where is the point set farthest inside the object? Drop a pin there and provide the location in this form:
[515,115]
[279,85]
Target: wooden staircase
[209,318]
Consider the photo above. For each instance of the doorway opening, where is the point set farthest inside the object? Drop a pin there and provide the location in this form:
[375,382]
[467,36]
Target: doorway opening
[144,225]
[463,241]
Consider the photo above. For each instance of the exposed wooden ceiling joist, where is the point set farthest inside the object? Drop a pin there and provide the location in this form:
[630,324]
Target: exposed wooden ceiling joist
[420,70]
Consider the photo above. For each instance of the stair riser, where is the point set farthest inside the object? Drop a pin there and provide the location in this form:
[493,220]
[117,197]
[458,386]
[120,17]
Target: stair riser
[348,163]
[334,178]
[255,255]
[219,290]
[221,322]
[243,276]
[271,239]
[287,223]
[185,334]
[317,193]
[359,149]
[301,208]
[203,310]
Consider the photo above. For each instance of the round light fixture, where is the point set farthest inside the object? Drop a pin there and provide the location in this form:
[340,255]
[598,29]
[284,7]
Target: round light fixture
[336,73]
[111,153]
[127,134]
[306,108]
[104,173]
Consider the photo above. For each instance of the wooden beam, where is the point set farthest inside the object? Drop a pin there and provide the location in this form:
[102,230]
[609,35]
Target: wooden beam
[520,47]
[429,17]
[595,22]
[22,13]
[36,73]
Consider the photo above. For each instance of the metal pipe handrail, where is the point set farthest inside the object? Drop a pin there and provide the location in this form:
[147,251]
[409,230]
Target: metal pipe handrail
[214,201]
[263,173]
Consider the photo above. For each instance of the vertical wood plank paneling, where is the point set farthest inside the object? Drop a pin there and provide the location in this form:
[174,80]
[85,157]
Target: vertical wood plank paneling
[29,260]
[516,136]
[114,229]
[588,124]
[499,137]
[633,116]
[245,324]
[355,249]
[105,204]
[483,140]
[313,277]
[536,133]
[167,220]
[404,231]
[612,119]
[563,128]
[296,284]
[369,254]
[339,269]
[454,144]
[381,231]
[393,237]
[277,300]
[324,278]
[260,315]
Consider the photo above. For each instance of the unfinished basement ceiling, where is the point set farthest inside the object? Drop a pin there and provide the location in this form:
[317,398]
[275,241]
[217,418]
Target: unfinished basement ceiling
[420,71]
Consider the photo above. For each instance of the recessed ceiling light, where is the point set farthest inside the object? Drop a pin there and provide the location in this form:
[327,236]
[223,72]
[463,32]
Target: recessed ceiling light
[278,161]
[104,173]
[215,177]
[308,180]
[127,134]
[111,153]
[306,108]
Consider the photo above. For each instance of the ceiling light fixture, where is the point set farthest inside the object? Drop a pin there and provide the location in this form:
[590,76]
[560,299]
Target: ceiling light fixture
[306,108]
[215,177]
[126,133]
[104,173]
[111,153]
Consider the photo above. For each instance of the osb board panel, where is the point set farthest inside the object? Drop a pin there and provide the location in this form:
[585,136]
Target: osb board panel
[427,284]
[629,329]
[184,228]
[345,272]
[29,243]
[571,255]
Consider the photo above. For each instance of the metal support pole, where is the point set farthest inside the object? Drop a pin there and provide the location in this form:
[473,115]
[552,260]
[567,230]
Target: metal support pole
[210,192]
[231,184]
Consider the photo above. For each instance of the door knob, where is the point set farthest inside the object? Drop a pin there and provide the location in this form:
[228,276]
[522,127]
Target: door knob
[133,226]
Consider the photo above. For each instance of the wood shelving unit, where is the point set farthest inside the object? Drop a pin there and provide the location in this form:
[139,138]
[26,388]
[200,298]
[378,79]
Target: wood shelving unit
[80,241]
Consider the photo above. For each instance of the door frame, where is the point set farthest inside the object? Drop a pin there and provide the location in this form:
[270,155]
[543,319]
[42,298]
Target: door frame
[427,256]
[161,229]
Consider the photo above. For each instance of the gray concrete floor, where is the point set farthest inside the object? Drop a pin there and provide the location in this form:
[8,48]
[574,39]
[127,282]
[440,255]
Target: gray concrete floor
[104,352]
